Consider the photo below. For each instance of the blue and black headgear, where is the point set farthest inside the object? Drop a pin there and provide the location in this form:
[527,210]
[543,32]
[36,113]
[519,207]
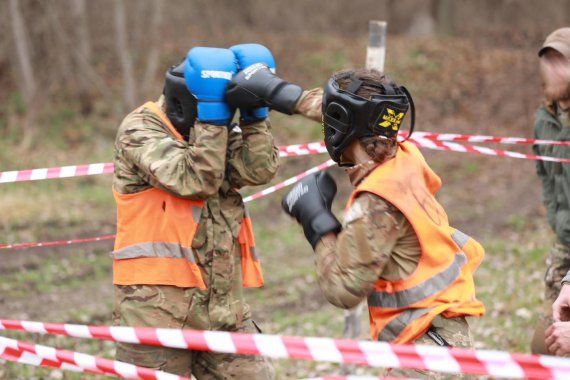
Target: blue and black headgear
[181,105]
[347,116]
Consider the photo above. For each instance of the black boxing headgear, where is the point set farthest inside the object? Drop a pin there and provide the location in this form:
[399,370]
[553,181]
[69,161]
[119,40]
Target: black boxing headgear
[347,116]
[181,105]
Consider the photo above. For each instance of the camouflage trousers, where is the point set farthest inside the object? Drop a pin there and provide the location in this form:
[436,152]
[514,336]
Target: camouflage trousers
[456,332]
[557,265]
[178,308]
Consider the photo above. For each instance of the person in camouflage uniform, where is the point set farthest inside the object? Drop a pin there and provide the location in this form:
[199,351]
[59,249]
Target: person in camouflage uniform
[551,123]
[211,165]
[377,241]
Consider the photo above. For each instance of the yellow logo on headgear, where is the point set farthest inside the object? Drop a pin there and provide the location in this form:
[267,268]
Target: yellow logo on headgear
[391,120]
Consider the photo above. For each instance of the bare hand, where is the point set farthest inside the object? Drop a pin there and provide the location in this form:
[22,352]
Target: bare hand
[558,338]
[561,307]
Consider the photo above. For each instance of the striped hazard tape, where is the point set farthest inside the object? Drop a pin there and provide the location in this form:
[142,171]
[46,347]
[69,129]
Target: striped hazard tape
[421,139]
[45,356]
[107,168]
[250,198]
[425,143]
[367,353]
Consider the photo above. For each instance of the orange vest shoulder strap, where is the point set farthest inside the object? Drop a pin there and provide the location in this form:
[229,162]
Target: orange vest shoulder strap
[154,108]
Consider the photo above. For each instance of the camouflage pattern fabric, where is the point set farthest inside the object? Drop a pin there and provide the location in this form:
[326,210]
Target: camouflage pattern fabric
[456,332]
[310,104]
[172,307]
[211,167]
[376,240]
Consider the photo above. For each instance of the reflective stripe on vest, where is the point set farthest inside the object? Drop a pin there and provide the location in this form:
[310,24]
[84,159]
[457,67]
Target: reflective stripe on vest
[156,249]
[155,231]
[426,289]
[395,327]
[460,238]
[401,310]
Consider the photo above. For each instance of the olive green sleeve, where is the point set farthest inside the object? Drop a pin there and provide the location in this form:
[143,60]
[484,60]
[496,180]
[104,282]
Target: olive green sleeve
[253,158]
[145,147]
[348,266]
[544,129]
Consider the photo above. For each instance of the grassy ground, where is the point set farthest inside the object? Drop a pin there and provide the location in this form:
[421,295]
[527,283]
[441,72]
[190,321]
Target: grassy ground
[496,200]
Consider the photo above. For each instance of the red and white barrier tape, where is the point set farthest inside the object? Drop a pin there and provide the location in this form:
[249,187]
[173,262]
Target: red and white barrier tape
[36,354]
[52,243]
[313,148]
[302,149]
[56,172]
[108,167]
[24,357]
[465,148]
[368,353]
[250,198]
[286,151]
[289,181]
[426,143]
[484,139]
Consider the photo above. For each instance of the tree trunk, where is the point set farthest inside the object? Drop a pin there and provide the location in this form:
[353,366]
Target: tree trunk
[129,86]
[423,21]
[83,43]
[153,44]
[62,71]
[444,14]
[28,83]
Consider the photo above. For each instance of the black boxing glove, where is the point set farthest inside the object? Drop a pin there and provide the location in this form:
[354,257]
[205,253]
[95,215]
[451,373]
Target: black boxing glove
[257,86]
[310,203]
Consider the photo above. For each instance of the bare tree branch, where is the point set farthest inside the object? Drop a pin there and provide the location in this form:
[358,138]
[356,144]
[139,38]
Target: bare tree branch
[153,44]
[62,72]
[28,83]
[83,41]
[82,61]
[129,86]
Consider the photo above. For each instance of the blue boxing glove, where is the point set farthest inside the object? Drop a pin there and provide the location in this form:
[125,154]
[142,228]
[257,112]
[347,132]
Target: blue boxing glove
[247,55]
[207,72]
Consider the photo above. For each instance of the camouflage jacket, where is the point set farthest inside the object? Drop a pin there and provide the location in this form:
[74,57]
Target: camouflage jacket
[377,241]
[210,167]
[555,176]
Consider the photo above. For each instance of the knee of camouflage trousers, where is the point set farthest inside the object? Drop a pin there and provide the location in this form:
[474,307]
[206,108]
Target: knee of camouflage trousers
[558,264]
[456,332]
[210,366]
[172,307]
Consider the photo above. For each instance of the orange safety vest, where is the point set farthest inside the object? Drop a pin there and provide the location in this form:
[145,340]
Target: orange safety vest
[154,237]
[401,311]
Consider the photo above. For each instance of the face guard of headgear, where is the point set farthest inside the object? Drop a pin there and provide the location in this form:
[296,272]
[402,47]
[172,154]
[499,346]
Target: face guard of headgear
[347,116]
[181,105]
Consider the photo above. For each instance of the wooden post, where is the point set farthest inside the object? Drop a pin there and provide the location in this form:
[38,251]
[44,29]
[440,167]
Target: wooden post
[376,50]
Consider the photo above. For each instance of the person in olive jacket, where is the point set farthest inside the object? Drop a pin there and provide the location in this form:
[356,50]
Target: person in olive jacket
[551,123]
